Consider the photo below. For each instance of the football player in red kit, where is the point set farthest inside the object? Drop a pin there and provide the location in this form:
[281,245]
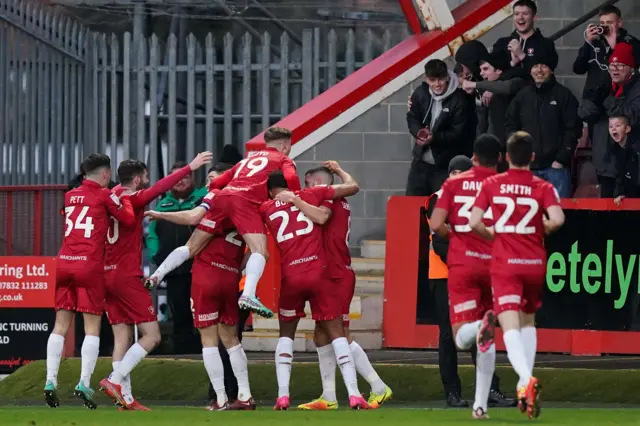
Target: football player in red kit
[305,277]
[127,302]
[518,201]
[80,273]
[468,262]
[243,189]
[335,216]
[214,292]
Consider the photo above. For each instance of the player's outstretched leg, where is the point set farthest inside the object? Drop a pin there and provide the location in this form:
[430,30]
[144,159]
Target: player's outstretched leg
[239,365]
[257,244]
[344,359]
[327,362]
[380,392]
[113,385]
[89,356]
[55,346]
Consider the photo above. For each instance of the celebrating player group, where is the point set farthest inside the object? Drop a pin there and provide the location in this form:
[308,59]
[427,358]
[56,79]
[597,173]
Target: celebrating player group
[100,260]
[497,261]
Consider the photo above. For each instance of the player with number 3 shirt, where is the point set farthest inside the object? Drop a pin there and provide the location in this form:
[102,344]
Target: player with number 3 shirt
[305,277]
[80,271]
[518,201]
[127,302]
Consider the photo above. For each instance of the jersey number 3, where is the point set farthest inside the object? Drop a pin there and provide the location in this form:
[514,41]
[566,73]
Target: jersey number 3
[281,236]
[83,222]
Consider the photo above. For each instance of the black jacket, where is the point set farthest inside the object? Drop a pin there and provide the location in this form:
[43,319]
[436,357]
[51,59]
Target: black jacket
[535,47]
[454,129]
[601,51]
[440,244]
[504,90]
[549,113]
[597,114]
[627,170]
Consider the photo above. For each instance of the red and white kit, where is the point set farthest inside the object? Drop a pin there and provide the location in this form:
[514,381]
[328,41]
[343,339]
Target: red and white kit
[469,256]
[305,276]
[80,282]
[518,200]
[127,301]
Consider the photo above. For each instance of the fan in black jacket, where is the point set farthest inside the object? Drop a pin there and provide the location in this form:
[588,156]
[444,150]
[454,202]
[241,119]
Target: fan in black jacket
[525,45]
[548,111]
[440,122]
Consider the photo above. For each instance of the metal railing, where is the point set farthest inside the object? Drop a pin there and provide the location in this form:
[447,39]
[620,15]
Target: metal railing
[66,91]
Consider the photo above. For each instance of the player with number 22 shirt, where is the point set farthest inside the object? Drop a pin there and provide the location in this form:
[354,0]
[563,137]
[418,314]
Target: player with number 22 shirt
[518,200]
[305,277]
[80,273]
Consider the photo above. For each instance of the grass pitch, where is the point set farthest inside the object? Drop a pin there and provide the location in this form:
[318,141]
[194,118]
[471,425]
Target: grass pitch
[108,416]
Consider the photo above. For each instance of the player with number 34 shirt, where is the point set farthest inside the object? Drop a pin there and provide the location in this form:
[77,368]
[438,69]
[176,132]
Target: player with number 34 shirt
[81,258]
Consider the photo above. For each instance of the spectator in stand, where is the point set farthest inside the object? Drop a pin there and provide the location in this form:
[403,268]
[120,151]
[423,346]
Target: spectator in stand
[501,84]
[622,99]
[526,44]
[600,41]
[439,120]
[626,156]
[165,236]
[548,111]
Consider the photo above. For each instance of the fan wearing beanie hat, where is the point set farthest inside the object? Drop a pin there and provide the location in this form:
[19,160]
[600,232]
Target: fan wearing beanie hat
[622,65]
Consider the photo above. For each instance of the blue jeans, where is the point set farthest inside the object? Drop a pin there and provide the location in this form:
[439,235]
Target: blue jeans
[559,178]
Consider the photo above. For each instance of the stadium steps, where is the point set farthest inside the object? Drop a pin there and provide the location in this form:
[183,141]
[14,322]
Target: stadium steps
[365,312]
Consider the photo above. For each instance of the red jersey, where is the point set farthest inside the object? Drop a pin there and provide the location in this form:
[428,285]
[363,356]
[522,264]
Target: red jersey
[248,178]
[124,244]
[457,198]
[87,210]
[518,200]
[226,249]
[336,236]
[299,240]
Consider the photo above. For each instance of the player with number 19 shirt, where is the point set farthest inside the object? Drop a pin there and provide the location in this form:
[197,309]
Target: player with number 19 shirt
[81,258]
[518,200]
[244,188]
[302,257]
[469,255]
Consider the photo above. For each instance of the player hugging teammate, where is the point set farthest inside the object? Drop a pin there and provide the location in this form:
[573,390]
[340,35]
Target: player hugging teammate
[497,272]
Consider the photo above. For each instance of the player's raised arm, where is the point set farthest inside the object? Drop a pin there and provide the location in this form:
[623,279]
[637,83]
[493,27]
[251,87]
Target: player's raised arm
[317,214]
[348,187]
[145,196]
[291,175]
[120,208]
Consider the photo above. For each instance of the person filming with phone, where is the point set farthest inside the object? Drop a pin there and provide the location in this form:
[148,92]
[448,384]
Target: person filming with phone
[600,40]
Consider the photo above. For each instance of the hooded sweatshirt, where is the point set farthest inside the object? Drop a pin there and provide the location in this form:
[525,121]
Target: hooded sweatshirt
[449,117]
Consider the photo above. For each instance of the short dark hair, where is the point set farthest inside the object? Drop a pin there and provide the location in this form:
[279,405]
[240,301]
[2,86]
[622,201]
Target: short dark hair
[178,165]
[621,117]
[273,134]
[129,169]
[94,162]
[321,169]
[520,148]
[219,168]
[436,68]
[487,149]
[277,181]
[609,10]
[527,3]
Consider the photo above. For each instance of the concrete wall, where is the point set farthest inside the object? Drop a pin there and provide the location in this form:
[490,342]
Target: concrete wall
[376,147]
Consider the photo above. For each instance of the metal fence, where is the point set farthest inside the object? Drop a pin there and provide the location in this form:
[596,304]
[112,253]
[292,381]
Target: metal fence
[66,91]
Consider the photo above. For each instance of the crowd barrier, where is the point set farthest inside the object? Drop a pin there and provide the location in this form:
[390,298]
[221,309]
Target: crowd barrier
[592,293]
